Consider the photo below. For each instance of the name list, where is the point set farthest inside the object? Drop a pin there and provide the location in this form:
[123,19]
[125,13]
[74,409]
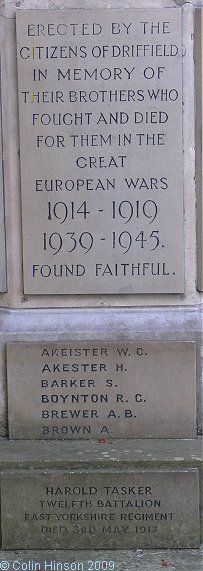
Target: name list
[101,390]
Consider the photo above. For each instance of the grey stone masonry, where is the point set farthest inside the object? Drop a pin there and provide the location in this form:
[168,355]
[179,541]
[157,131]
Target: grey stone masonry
[99,463]
[100,326]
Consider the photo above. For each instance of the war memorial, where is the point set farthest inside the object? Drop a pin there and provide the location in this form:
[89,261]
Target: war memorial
[101,280]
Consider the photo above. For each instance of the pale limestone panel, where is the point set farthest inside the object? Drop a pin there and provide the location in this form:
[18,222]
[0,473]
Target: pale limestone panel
[100,509]
[109,325]
[115,231]
[199,135]
[96,390]
[14,297]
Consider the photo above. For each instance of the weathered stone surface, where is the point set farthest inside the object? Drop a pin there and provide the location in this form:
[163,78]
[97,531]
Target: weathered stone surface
[14,296]
[127,560]
[199,142]
[162,324]
[104,213]
[100,509]
[92,390]
[108,454]
[3,281]
[77,454]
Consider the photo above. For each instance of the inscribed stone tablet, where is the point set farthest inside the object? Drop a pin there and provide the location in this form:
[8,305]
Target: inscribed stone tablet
[91,390]
[2,225]
[100,103]
[199,146]
[100,509]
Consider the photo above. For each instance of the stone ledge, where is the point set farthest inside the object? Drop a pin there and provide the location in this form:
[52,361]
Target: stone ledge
[111,453]
[127,560]
[104,322]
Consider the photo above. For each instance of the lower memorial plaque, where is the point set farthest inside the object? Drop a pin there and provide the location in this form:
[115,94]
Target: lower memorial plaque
[93,509]
[102,389]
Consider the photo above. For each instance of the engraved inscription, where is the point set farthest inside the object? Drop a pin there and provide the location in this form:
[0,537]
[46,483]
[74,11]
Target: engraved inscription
[100,108]
[101,390]
[91,509]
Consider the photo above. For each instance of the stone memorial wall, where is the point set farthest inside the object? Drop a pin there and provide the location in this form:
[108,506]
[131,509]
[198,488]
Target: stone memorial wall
[87,229]
[199,139]
[3,281]
[101,305]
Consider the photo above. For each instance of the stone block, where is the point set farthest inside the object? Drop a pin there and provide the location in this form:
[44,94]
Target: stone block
[90,390]
[100,509]
[104,213]
[107,456]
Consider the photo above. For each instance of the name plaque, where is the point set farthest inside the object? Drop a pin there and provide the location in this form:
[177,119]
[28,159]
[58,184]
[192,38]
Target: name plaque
[100,509]
[85,390]
[100,111]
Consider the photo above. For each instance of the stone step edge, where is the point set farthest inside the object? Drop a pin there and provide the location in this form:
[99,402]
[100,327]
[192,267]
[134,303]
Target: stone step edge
[100,453]
[125,560]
